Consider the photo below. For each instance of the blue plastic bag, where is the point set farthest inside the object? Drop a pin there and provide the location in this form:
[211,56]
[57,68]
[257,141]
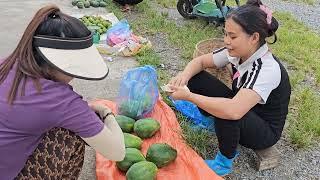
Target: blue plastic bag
[192,112]
[138,92]
[118,33]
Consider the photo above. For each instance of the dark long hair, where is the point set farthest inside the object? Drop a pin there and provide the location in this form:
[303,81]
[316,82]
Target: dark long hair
[49,20]
[252,19]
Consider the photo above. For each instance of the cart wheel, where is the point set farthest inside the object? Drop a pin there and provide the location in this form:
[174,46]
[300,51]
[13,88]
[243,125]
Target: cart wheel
[185,9]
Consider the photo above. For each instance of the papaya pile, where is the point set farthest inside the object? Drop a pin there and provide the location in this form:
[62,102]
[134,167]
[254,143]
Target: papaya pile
[87,3]
[102,24]
[135,164]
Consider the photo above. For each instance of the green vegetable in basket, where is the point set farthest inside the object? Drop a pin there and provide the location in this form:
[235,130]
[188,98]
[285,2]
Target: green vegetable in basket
[96,21]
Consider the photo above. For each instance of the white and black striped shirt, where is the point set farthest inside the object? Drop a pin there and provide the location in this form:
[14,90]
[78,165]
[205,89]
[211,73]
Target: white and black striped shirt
[264,74]
[261,72]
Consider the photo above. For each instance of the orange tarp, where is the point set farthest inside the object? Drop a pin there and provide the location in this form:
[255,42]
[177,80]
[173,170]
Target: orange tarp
[188,164]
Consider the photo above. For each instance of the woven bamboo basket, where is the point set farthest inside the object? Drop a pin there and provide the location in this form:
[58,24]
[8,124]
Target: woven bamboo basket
[208,46]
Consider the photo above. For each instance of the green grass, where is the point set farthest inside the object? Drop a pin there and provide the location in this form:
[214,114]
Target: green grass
[296,45]
[309,2]
[112,7]
[305,120]
[299,47]
[202,141]
[148,57]
[167,3]
[184,37]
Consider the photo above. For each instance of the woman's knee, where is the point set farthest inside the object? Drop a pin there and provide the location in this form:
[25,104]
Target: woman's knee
[197,80]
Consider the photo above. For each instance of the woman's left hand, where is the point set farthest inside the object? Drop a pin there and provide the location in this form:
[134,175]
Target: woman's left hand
[102,111]
[180,92]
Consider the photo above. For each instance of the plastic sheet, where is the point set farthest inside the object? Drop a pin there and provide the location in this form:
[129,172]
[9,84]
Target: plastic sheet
[188,165]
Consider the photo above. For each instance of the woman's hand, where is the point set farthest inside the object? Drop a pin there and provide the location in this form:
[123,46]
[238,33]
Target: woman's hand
[180,92]
[102,111]
[110,140]
[180,80]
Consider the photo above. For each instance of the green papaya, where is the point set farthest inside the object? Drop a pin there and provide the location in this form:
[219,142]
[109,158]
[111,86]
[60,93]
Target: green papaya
[147,102]
[102,4]
[125,123]
[132,156]
[130,108]
[161,154]
[92,2]
[80,5]
[132,141]
[146,128]
[86,4]
[95,4]
[142,170]
[74,2]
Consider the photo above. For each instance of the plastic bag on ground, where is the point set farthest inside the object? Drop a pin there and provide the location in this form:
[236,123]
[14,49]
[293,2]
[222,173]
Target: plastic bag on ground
[188,164]
[138,92]
[118,33]
[130,47]
[192,112]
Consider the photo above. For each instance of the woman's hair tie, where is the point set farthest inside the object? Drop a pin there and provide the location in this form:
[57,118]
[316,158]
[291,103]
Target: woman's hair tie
[268,12]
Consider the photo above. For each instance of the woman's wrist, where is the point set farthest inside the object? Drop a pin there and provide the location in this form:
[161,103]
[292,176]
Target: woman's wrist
[190,96]
[186,75]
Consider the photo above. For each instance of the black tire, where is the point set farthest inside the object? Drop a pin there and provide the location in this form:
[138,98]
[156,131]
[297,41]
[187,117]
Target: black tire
[185,9]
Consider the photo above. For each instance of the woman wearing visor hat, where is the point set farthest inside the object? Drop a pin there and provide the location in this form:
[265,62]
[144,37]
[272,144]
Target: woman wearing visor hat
[44,124]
